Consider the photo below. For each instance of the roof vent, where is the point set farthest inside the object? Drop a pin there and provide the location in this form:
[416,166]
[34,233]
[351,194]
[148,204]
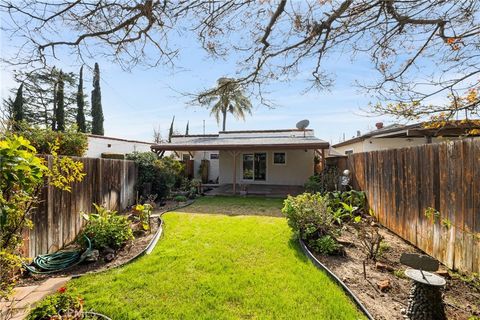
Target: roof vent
[379,125]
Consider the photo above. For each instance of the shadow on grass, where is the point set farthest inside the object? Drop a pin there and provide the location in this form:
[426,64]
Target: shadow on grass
[295,245]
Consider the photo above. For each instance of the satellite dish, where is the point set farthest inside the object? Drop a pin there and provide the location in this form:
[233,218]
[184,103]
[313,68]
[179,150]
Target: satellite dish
[302,125]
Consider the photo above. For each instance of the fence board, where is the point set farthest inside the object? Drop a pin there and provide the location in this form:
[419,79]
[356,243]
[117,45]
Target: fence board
[57,220]
[401,184]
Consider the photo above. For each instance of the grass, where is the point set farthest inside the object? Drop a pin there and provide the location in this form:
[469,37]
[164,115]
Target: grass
[231,205]
[219,267]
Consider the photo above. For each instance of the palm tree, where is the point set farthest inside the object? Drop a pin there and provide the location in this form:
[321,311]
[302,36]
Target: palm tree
[226,97]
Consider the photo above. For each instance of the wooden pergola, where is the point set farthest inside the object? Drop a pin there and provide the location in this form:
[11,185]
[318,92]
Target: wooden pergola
[319,146]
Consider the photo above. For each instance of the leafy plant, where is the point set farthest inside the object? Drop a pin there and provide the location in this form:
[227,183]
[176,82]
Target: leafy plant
[21,180]
[446,223]
[64,304]
[106,229]
[141,214]
[65,170]
[326,245]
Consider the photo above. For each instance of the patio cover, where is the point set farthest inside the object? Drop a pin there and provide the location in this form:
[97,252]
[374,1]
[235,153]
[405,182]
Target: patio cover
[214,142]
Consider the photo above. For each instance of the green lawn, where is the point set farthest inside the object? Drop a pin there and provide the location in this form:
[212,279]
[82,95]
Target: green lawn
[218,267]
[231,205]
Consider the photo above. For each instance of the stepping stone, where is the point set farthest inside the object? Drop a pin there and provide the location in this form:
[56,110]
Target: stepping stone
[21,292]
[53,284]
[31,299]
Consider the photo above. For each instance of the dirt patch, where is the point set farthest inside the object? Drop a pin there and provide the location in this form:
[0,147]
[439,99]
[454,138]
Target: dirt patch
[462,298]
[122,256]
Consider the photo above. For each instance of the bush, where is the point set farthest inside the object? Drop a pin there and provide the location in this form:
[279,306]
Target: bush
[156,176]
[64,304]
[71,142]
[309,216]
[106,229]
[180,198]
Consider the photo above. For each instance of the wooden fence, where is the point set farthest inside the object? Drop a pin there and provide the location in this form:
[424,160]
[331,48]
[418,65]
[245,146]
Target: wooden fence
[57,221]
[402,183]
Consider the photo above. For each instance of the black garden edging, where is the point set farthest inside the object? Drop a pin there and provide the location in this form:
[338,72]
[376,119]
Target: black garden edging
[334,277]
[148,249]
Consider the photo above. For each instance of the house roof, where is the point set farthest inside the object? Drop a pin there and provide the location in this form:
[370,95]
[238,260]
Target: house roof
[452,129]
[227,141]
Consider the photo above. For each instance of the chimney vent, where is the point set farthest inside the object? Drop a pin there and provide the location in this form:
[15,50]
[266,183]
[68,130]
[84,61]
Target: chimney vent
[379,125]
[358,133]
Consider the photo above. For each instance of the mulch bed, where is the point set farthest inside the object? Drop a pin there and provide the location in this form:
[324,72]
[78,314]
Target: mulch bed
[122,256]
[462,298]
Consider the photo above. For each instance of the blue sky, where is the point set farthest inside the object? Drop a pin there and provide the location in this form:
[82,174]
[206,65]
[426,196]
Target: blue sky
[136,102]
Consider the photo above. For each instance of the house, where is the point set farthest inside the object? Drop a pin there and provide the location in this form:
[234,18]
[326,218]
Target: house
[98,145]
[399,136]
[253,157]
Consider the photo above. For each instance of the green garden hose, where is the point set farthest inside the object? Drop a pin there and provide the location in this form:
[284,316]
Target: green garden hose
[58,261]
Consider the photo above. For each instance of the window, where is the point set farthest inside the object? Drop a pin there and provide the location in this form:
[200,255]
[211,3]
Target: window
[349,151]
[279,158]
[248,166]
[255,166]
[213,156]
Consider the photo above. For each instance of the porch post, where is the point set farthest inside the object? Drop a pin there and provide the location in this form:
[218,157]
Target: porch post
[323,159]
[234,153]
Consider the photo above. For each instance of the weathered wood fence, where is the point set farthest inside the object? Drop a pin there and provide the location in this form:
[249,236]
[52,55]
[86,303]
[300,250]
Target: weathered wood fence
[57,220]
[402,183]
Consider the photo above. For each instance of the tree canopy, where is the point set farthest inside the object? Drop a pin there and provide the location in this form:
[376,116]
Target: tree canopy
[227,97]
[420,49]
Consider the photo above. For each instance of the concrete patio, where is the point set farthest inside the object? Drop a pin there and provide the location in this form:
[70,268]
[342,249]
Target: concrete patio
[256,190]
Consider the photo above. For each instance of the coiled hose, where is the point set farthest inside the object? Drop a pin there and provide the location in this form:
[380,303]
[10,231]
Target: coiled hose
[58,261]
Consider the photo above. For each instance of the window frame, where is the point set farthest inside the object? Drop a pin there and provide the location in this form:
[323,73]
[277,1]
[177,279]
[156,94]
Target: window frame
[284,156]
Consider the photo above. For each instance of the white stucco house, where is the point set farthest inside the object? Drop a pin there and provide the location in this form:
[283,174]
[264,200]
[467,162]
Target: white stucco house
[253,157]
[399,136]
[101,144]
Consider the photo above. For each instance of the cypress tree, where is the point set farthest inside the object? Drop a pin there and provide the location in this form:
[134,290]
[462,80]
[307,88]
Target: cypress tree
[80,119]
[18,113]
[97,112]
[170,132]
[186,129]
[60,112]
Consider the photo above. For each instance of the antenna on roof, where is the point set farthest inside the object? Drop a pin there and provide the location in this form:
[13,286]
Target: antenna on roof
[302,125]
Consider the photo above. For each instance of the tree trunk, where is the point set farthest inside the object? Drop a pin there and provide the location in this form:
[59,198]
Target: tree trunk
[224,112]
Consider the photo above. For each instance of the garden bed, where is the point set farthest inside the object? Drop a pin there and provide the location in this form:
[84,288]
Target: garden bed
[122,256]
[461,296]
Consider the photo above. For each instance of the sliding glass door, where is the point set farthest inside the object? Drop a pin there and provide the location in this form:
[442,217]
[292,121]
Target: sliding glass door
[255,166]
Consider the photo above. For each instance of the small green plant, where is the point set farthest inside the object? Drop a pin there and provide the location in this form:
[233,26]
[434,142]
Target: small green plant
[399,273]
[64,304]
[432,213]
[384,247]
[141,214]
[106,229]
[180,198]
[446,223]
[325,245]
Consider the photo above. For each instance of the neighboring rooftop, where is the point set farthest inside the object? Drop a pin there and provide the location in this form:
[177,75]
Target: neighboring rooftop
[421,129]
[117,139]
[248,139]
